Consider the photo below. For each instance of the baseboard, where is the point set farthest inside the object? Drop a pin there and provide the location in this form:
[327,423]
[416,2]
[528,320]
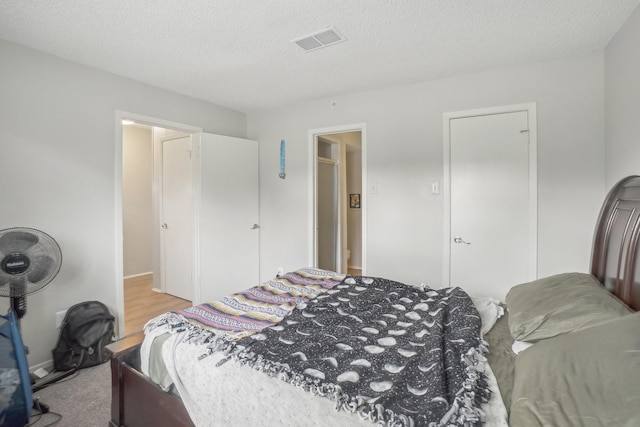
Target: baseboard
[139,275]
[46,365]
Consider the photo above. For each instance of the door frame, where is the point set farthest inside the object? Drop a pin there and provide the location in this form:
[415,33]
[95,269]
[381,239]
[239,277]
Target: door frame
[312,180]
[530,108]
[119,249]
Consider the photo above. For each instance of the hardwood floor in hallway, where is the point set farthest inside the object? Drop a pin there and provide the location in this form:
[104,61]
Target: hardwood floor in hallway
[142,303]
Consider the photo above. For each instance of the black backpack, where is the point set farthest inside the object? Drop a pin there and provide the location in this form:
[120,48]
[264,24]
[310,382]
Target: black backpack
[86,329]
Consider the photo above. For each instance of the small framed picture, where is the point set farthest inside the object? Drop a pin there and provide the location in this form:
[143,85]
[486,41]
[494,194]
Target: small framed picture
[354,201]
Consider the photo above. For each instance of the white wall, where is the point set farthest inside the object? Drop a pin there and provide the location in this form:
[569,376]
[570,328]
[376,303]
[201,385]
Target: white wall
[57,163]
[404,154]
[622,106]
[137,208]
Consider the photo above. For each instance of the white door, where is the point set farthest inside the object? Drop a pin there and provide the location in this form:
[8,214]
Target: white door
[177,218]
[228,216]
[327,229]
[490,236]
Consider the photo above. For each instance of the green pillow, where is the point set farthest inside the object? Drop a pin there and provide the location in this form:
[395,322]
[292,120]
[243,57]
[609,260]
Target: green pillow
[558,305]
[587,378]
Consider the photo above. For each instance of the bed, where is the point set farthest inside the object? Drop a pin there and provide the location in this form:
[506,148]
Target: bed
[561,350]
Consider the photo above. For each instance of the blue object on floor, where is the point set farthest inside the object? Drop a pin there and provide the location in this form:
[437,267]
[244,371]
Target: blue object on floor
[16,398]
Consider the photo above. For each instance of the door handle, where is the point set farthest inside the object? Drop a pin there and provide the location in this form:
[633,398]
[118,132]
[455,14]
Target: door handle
[255,227]
[165,226]
[458,239]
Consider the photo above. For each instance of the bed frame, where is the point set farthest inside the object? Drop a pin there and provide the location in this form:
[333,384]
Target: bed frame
[614,260]
[138,402]
[135,400]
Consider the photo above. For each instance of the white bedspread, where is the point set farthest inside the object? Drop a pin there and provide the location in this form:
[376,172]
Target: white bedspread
[234,395]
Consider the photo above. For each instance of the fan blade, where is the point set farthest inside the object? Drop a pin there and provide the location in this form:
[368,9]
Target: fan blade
[17,241]
[5,283]
[42,266]
[4,277]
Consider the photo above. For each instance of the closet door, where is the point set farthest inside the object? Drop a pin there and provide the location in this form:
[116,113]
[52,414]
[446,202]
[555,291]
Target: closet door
[328,206]
[177,217]
[492,236]
[227,227]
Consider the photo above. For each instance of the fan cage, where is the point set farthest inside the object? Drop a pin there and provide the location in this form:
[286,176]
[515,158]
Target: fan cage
[29,260]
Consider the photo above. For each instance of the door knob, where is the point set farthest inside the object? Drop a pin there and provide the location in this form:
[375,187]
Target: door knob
[255,227]
[458,239]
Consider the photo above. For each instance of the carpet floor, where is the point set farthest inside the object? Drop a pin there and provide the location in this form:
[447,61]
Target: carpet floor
[80,400]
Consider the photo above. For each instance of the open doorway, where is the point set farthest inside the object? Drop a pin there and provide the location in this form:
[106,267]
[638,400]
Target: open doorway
[156,168]
[338,199]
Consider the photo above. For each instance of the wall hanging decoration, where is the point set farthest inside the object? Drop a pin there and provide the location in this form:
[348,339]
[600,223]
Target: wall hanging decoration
[354,201]
[282,150]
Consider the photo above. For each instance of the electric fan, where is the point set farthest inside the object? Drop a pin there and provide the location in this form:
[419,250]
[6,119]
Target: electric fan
[29,260]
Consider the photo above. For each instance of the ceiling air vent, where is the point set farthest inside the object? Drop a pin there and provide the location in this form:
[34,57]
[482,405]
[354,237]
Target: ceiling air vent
[324,38]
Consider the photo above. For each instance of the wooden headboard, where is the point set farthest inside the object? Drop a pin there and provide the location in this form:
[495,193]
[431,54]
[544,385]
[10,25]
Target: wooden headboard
[614,259]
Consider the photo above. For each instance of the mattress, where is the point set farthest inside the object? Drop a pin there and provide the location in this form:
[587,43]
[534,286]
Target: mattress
[218,390]
[232,394]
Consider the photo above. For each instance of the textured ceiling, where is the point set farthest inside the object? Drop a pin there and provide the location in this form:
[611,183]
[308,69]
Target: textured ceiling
[239,53]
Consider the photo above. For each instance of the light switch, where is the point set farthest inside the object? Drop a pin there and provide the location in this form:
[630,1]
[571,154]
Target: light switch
[435,187]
